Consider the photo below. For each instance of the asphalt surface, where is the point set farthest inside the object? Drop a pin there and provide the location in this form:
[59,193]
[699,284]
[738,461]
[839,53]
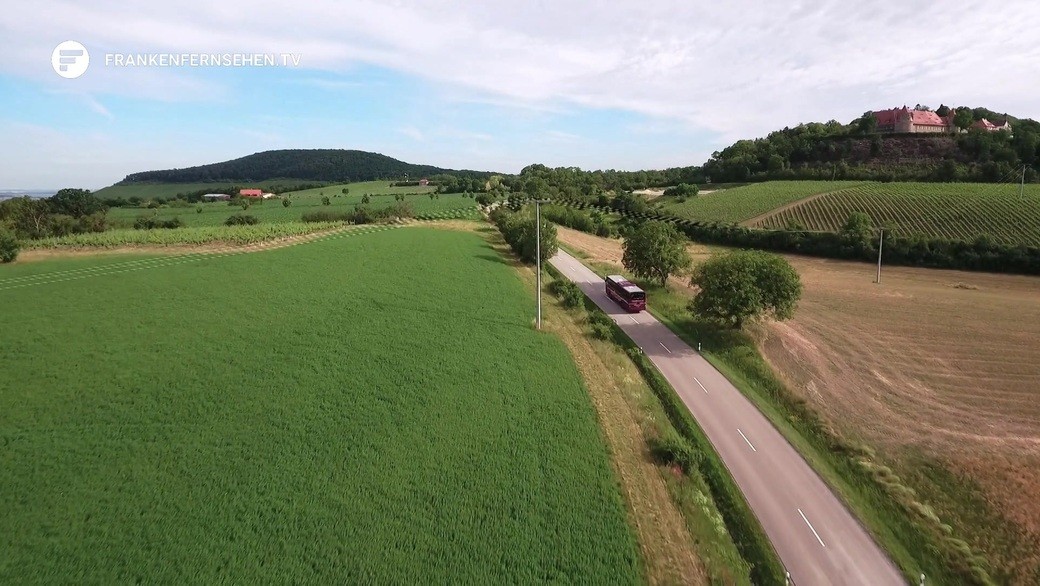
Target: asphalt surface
[816,537]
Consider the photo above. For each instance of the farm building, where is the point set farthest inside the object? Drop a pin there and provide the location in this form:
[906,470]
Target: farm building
[251,193]
[986,125]
[424,182]
[215,197]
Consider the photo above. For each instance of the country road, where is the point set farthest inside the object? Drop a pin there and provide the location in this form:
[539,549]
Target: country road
[817,538]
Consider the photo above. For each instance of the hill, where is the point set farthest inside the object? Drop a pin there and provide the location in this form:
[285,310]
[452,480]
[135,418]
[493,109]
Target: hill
[330,165]
[855,151]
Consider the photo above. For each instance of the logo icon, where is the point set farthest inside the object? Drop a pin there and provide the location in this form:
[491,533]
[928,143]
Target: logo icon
[70,59]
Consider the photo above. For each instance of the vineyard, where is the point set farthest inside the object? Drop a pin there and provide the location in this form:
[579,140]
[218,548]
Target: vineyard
[953,211]
[184,236]
[743,203]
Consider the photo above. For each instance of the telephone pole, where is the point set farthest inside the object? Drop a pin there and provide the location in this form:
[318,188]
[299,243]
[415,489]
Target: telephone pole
[538,255]
[881,245]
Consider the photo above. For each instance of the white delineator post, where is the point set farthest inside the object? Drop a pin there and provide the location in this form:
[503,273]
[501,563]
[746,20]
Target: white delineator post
[538,256]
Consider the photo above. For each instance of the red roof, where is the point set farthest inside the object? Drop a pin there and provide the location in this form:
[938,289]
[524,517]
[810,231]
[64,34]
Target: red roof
[251,192]
[886,117]
[924,118]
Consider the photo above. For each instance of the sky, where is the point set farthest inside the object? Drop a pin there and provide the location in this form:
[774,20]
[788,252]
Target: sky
[487,84]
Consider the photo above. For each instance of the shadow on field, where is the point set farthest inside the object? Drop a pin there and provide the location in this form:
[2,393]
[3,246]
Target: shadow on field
[495,258]
[441,310]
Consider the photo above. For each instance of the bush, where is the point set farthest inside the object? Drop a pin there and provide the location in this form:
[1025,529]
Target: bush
[152,223]
[286,203]
[673,449]
[518,229]
[366,198]
[569,293]
[601,325]
[325,200]
[241,220]
[9,246]
[198,209]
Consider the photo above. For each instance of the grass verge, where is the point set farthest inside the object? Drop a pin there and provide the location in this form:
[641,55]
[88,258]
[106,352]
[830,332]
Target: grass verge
[706,477]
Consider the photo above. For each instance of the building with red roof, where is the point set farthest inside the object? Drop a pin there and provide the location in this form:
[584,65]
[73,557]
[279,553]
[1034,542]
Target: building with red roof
[905,120]
[983,124]
[251,193]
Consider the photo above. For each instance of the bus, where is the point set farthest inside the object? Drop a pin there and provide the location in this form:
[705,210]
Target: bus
[625,293]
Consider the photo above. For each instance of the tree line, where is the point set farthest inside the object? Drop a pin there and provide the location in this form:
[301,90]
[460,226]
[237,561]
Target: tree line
[326,165]
[823,151]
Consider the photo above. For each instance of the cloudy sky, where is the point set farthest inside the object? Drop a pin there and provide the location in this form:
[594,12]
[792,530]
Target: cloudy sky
[485,84]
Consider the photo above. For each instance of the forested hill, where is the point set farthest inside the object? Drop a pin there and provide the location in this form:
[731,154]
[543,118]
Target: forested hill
[333,165]
[856,151]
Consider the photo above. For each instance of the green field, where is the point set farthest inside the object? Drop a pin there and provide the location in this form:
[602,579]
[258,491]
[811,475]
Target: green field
[272,210]
[368,408]
[954,211]
[238,235]
[743,203]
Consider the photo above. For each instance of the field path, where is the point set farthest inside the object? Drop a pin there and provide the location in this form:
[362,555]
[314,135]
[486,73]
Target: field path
[816,537]
[763,217]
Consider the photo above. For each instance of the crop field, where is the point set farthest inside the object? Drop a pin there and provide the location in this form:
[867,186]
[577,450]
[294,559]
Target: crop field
[272,210]
[743,203]
[954,211]
[367,408]
[184,236]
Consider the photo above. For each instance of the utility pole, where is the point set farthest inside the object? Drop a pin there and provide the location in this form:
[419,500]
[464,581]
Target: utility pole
[538,255]
[881,245]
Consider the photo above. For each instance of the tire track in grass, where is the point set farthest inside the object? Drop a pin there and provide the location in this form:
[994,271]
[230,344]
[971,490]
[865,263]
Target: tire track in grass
[129,266]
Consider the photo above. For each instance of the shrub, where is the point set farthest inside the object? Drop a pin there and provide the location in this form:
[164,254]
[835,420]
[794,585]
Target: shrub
[152,223]
[673,449]
[9,246]
[366,199]
[325,200]
[286,203]
[241,220]
[198,209]
[569,293]
[601,325]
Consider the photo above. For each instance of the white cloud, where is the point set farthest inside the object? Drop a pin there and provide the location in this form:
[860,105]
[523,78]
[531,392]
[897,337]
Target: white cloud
[735,69]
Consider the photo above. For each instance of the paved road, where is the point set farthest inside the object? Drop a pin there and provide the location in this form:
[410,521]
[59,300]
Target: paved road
[816,537]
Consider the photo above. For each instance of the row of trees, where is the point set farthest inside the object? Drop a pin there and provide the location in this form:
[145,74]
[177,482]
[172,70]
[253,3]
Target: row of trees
[70,211]
[520,232]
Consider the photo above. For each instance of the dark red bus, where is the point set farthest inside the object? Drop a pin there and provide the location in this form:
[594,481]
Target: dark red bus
[625,293]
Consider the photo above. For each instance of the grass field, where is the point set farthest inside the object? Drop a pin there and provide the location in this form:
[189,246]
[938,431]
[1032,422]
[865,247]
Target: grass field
[272,210]
[365,408]
[955,211]
[742,203]
[937,370]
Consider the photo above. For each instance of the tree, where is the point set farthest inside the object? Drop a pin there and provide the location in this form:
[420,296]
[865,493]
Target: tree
[963,118]
[8,246]
[655,250]
[858,231]
[743,286]
[366,198]
[346,190]
[867,123]
[325,201]
[76,203]
[286,203]
[942,110]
